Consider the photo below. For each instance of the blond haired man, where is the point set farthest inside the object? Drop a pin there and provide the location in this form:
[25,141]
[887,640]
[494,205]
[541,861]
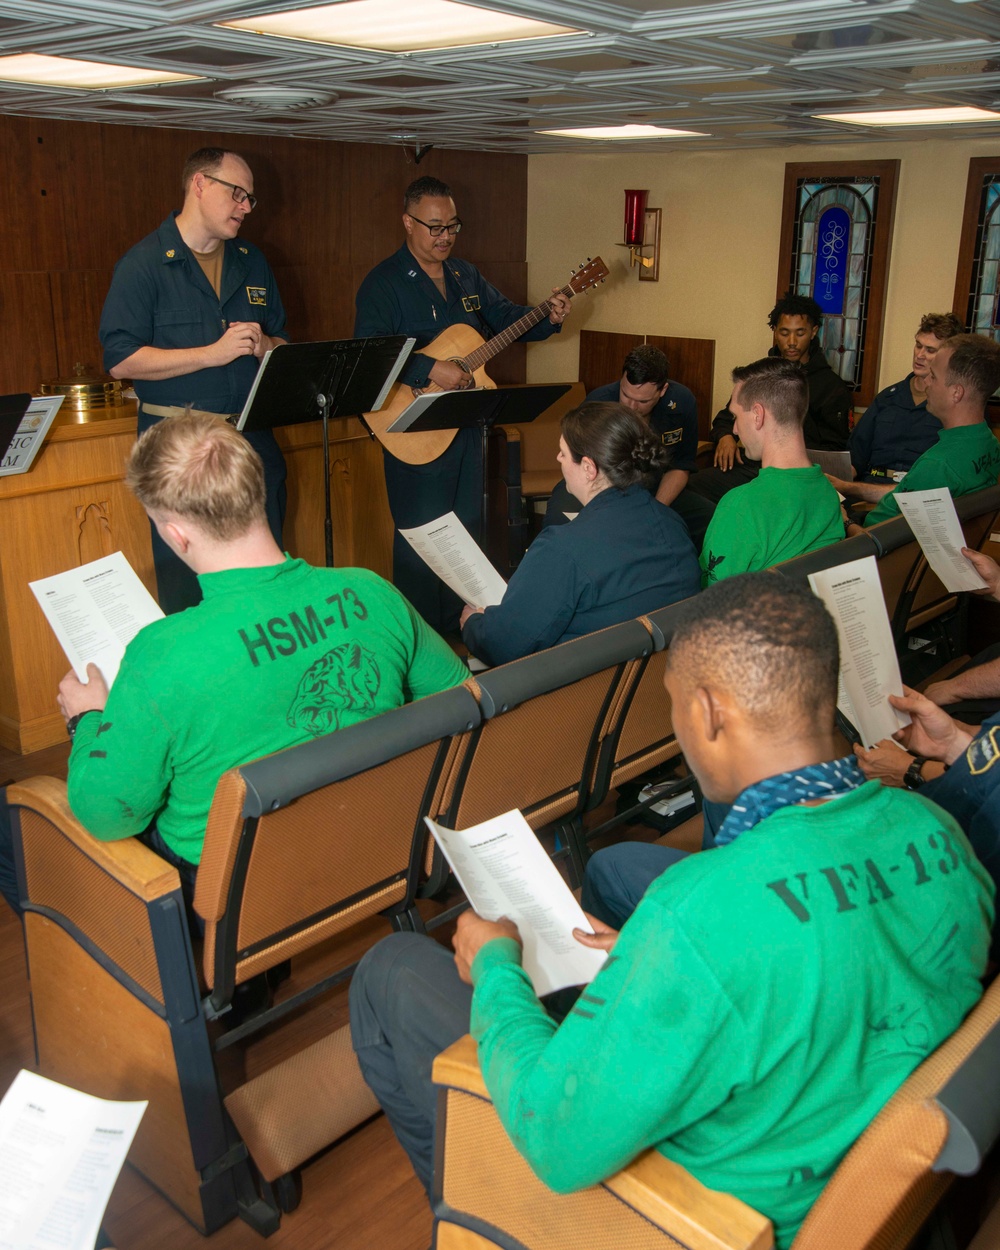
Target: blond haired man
[277,652]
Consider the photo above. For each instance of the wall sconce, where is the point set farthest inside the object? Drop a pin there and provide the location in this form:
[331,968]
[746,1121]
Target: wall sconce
[642,234]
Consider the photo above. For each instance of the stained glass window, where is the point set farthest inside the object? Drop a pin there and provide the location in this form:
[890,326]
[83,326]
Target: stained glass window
[982,312]
[833,245]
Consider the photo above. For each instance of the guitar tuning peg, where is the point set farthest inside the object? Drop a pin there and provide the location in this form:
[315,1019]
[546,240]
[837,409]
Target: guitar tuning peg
[589,260]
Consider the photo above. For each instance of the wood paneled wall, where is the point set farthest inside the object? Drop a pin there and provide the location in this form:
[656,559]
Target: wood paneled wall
[79,195]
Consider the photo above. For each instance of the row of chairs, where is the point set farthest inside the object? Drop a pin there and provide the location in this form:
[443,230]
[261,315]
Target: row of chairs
[301,847]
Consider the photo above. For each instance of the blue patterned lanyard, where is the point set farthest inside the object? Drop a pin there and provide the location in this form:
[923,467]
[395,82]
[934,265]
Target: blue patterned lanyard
[764,798]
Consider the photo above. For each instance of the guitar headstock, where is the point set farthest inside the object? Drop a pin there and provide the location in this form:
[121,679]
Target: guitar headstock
[588,275]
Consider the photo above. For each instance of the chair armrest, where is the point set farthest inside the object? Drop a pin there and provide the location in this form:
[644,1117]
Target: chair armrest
[128,861]
[658,1189]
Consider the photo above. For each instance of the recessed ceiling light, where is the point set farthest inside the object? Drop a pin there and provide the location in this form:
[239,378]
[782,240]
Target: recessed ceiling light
[398,26]
[912,117]
[624,132]
[62,71]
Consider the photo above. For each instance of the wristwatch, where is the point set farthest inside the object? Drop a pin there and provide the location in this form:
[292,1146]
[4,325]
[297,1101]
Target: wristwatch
[913,779]
[74,721]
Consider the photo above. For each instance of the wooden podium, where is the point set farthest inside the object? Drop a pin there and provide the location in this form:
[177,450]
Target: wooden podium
[72,506]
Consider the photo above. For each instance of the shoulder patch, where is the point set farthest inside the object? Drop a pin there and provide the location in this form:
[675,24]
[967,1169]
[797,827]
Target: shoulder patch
[984,752]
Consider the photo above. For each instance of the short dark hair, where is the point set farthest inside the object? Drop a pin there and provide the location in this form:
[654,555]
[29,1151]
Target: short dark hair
[771,642]
[206,161]
[420,187]
[941,325]
[791,305]
[646,364]
[618,441]
[779,384]
[975,363]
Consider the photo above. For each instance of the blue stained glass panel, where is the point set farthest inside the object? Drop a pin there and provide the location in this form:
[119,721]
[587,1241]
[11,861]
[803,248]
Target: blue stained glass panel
[832,255]
[831,259]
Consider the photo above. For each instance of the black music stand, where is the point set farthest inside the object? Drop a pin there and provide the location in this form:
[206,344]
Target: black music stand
[12,410]
[482,408]
[300,382]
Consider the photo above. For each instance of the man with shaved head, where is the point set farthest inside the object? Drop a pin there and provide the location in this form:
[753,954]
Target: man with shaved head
[764,999]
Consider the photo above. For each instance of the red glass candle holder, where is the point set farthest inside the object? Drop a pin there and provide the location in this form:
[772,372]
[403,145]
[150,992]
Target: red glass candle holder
[635,217]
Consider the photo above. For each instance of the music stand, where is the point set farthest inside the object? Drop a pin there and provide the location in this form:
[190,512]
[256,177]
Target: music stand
[299,382]
[461,410]
[12,410]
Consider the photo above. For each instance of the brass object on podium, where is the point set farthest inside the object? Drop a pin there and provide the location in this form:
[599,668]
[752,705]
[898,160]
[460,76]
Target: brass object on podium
[83,392]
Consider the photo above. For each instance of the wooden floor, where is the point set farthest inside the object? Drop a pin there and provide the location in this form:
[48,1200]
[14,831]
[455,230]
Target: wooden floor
[359,1195]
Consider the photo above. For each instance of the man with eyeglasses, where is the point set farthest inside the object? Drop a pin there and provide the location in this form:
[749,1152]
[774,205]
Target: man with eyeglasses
[420,291]
[190,312]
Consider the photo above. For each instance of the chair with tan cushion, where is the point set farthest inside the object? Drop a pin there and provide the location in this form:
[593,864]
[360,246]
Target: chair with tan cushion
[941,1122]
[542,720]
[300,846]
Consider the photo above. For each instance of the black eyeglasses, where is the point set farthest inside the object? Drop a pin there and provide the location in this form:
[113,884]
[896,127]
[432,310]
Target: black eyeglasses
[436,231]
[240,195]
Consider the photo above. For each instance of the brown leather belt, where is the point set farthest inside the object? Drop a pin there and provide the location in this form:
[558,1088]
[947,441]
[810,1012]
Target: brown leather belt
[161,410]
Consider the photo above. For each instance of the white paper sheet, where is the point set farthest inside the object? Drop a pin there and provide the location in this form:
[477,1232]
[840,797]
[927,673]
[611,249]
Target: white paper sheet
[931,516]
[504,871]
[448,548]
[95,611]
[60,1155]
[27,442]
[869,669]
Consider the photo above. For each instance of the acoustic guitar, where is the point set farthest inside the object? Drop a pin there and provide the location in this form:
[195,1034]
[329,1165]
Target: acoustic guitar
[462,344]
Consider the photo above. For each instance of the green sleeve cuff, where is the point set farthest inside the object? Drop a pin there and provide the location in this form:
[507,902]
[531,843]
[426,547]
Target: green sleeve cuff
[499,952]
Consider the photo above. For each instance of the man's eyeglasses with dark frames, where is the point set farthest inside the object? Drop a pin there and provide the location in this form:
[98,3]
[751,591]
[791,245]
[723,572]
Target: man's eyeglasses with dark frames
[436,231]
[240,194]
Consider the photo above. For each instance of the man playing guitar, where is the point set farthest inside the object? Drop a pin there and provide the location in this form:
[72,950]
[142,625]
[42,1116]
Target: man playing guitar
[420,291]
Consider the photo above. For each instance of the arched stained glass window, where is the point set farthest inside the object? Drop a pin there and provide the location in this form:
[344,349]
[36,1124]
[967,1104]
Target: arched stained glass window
[835,244]
[982,307]
[833,255]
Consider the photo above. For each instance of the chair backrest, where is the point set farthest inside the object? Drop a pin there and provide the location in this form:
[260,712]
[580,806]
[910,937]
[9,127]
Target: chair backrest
[848,549]
[942,1119]
[639,735]
[542,717]
[305,842]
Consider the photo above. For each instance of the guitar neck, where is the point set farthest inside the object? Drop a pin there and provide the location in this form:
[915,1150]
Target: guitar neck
[513,332]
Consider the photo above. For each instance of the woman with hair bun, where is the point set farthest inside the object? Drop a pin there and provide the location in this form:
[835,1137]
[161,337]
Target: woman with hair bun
[625,554]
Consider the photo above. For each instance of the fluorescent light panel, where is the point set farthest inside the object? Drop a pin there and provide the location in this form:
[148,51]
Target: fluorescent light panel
[62,71]
[398,26]
[912,117]
[623,132]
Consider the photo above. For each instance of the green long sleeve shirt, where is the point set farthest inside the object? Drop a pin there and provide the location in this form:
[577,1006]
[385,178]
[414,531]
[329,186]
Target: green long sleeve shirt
[272,657]
[761,1005]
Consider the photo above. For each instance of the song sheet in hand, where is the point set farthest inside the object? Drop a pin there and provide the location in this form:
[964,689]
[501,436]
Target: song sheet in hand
[60,1155]
[505,871]
[447,547]
[95,611]
[869,668]
[931,516]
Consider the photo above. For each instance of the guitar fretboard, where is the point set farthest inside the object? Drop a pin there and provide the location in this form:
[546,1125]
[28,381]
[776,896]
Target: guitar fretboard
[513,332]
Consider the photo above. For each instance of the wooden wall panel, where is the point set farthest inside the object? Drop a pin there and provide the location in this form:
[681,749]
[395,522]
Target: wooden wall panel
[328,212]
[692,363]
[27,345]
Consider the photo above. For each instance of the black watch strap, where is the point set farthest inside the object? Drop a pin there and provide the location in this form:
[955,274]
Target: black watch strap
[914,778]
[73,722]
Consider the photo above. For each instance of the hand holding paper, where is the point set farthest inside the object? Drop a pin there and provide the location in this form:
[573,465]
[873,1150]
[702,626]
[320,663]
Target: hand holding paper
[506,875]
[869,667]
[447,547]
[931,516]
